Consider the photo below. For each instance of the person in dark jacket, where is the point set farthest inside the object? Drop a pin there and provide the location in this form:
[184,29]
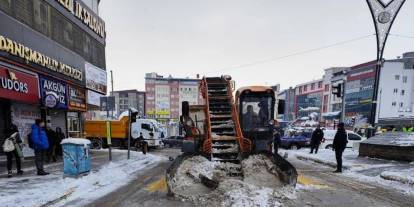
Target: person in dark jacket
[339,145]
[40,145]
[53,142]
[316,139]
[9,132]
[60,136]
[276,140]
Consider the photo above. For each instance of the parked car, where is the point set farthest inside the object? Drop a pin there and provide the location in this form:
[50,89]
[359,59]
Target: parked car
[174,141]
[353,139]
[295,139]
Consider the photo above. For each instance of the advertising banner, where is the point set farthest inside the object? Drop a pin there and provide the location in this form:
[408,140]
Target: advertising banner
[18,86]
[53,93]
[77,98]
[94,98]
[95,78]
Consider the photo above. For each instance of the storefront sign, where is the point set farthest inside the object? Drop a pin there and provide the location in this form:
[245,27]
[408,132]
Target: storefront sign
[54,93]
[83,14]
[77,98]
[95,78]
[18,86]
[94,98]
[33,56]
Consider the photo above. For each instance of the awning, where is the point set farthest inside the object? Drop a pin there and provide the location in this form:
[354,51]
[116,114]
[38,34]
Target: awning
[331,114]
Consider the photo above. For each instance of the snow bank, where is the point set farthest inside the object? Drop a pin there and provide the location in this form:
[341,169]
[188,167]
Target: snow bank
[402,176]
[37,191]
[77,141]
[325,157]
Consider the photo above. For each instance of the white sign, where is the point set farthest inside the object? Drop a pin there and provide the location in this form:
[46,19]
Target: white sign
[95,78]
[94,98]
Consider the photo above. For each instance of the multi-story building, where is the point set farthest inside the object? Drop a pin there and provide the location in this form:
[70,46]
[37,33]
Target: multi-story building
[308,98]
[359,89]
[396,92]
[129,99]
[52,57]
[164,95]
[331,104]
[288,95]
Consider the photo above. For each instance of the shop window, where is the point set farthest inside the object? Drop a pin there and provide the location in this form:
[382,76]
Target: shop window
[73,124]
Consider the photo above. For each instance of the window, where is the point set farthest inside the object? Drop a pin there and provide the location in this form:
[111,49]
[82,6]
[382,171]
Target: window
[305,88]
[404,79]
[397,77]
[353,137]
[146,127]
[326,87]
[320,84]
[313,86]
[300,89]
[395,90]
[402,92]
[394,103]
[401,104]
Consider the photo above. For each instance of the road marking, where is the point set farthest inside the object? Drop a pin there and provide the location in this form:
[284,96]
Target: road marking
[159,185]
[307,181]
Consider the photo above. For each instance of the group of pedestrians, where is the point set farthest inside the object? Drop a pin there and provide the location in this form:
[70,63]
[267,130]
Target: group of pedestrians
[44,141]
[339,143]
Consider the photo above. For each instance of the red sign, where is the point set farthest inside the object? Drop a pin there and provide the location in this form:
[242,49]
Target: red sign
[77,98]
[18,86]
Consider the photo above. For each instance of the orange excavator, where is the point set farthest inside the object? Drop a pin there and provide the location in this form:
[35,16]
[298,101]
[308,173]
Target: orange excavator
[227,130]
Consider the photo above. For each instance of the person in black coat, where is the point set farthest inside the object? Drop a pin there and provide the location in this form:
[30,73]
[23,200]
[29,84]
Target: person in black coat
[316,139]
[339,145]
[276,140]
[9,132]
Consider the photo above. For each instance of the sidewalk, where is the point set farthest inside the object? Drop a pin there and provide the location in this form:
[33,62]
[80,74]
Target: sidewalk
[399,175]
[56,190]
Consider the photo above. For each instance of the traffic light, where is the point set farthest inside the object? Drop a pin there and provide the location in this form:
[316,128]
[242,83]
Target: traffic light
[337,90]
[134,114]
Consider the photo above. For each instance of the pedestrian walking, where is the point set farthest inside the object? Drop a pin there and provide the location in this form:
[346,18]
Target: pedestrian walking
[141,142]
[13,149]
[60,136]
[339,145]
[316,139]
[40,145]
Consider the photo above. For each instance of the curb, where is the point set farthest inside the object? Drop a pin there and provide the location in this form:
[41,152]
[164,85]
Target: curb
[322,162]
[397,179]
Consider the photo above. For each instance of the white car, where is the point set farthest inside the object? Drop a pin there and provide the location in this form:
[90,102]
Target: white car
[353,139]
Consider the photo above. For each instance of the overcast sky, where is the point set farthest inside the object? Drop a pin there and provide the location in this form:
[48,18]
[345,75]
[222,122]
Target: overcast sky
[213,37]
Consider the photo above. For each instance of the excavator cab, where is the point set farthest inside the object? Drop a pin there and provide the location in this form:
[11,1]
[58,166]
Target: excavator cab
[256,107]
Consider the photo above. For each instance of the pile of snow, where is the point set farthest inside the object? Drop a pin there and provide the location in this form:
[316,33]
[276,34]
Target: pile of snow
[260,185]
[77,141]
[38,191]
[403,176]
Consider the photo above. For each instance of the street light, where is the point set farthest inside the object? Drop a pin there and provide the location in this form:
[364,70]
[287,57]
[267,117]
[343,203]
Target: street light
[383,15]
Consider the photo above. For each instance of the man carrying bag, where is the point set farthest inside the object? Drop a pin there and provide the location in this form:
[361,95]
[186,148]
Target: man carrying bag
[12,148]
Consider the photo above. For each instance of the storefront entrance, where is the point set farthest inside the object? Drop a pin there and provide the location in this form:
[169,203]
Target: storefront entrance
[4,119]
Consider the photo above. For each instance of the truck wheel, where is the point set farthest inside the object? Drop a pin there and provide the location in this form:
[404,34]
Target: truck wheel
[329,146]
[294,147]
[96,143]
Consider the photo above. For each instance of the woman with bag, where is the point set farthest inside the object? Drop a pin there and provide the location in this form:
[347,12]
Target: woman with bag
[11,147]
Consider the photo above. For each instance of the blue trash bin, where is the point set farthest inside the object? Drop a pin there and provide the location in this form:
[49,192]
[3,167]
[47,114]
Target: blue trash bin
[76,156]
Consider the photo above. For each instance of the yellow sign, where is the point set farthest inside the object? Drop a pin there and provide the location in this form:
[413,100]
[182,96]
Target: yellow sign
[108,132]
[33,56]
[92,21]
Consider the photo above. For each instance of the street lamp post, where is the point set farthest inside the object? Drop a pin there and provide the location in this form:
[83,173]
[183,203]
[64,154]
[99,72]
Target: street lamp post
[383,15]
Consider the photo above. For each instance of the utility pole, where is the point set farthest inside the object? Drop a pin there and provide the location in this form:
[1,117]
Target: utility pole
[112,90]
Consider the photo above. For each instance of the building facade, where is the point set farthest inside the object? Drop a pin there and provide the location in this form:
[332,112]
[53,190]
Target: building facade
[46,50]
[129,99]
[359,91]
[396,92]
[331,104]
[288,95]
[308,98]
[164,96]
